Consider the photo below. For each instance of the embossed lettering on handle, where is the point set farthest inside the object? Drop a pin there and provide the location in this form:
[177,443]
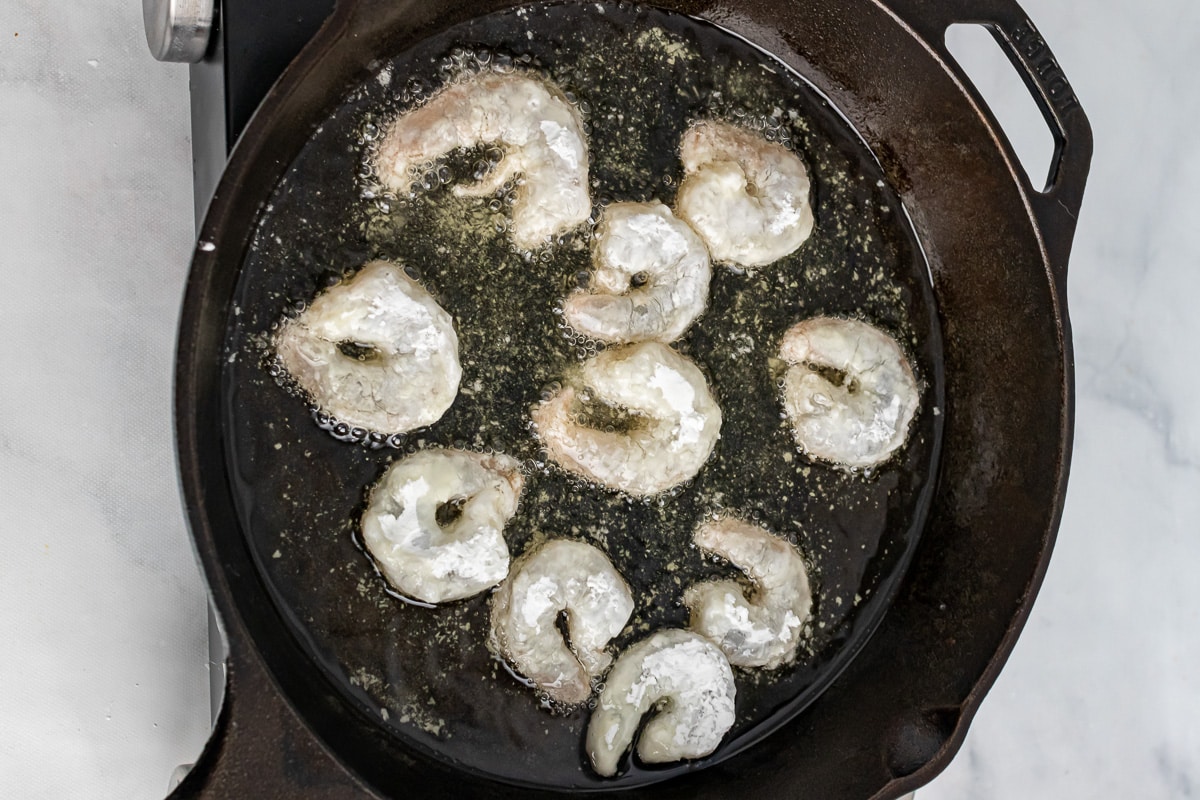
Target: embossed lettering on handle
[1049,76]
[1056,207]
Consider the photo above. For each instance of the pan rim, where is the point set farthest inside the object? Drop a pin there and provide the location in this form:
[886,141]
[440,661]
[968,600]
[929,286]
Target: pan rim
[190,387]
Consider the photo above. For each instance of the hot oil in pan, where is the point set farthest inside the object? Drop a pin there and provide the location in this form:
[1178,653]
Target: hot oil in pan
[639,77]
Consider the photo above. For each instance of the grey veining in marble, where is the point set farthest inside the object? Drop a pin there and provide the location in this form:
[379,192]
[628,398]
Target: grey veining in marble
[102,609]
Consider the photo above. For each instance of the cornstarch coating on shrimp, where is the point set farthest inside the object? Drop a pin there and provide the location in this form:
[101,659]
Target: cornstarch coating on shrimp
[690,681]
[650,280]
[610,203]
[435,522]
[668,417]
[560,577]
[540,132]
[747,198]
[849,392]
[765,630]
[375,351]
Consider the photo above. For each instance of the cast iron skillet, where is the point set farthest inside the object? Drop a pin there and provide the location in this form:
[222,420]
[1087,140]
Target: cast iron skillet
[997,251]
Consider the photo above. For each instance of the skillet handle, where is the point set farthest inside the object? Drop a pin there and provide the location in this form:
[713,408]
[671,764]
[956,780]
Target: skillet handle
[1055,206]
[259,749]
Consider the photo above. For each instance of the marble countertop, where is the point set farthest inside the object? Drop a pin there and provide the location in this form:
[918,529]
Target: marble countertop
[101,606]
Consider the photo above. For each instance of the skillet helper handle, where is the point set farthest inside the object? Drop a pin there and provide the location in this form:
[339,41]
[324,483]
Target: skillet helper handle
[259,749]
[1056,206]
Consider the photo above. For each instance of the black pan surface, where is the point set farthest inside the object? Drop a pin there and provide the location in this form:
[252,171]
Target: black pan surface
[640,76]
[300,717]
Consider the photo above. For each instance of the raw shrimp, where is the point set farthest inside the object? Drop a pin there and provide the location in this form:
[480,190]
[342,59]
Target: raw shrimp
[668,420]
[687,677]
[540,132]
[650,281]
[765,631]
[849,392]
[747,198]
[560,577]
[435,522]
[376,351]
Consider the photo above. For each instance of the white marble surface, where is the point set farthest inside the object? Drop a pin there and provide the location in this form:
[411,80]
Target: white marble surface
[102,616]
[104,687]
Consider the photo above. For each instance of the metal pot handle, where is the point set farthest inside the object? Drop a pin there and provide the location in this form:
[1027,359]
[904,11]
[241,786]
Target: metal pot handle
[259,748]
[1056,206]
